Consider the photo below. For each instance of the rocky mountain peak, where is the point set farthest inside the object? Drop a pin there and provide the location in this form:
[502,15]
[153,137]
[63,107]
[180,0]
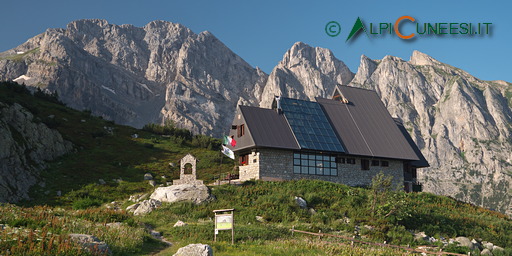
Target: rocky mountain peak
[305,72]
[366,68]
[419,58]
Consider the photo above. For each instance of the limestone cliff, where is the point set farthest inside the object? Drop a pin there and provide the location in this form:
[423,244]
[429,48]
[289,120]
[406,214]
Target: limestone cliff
[136,75]
[25,146]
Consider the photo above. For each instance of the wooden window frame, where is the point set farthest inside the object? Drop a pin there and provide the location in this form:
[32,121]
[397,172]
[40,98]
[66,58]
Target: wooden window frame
[241,130]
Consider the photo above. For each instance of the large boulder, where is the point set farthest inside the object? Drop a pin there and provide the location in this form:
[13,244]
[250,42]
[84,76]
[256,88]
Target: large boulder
[464,241]
[486,252]
[195,250]
[184,192]
[91,243]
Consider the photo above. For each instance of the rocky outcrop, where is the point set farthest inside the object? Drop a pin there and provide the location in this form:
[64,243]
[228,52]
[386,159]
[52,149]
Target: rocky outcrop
[144,207]
[136,75]
[462,125]
[25,145]
[305,73]
[91,244]
[195,250]
[196,193]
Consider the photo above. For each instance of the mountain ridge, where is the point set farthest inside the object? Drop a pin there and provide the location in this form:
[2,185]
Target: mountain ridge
[135,75]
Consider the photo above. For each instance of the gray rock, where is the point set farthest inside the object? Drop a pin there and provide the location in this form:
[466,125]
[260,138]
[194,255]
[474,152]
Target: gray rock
[91,243]
[485,252]
[464,241]
[301,202]
[497,248]
[179,223]
[101,182]
[147,206]
[114,225]
[195,250]
[476,245]
[368,227]
[155,234]
[260,219]
[25,147]
[183,192]
[488,245]
[137,198]
[421,236]
[152,183]
[59,193]
[132,207]
[148,176]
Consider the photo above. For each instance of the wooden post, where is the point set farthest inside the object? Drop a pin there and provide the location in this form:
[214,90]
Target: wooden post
[233,228]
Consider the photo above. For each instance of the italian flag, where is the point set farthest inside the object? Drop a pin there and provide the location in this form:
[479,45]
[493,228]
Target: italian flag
[229,141]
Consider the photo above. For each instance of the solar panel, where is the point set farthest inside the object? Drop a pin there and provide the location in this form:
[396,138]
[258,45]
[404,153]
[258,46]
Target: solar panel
[310,125]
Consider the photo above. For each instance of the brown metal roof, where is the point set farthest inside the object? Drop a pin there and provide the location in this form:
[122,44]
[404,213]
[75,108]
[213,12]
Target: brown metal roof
[365,126]
[268,128]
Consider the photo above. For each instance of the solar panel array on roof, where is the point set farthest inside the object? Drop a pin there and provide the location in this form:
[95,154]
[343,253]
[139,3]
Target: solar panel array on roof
[365,125]
[310,125]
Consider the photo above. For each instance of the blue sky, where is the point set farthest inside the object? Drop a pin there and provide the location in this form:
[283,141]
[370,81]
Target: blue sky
[262,31]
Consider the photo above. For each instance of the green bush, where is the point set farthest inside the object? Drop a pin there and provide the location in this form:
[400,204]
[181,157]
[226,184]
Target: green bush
[169,128]
[399,235]
[85,203]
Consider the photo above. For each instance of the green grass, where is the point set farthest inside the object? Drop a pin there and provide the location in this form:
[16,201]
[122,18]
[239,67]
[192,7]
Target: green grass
[20,57]
[274,201]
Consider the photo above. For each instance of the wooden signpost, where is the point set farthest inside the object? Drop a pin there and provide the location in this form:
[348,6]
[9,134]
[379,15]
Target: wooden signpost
[224,220]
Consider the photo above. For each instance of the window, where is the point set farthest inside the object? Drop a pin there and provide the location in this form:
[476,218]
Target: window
[365,164]
[340,160]
[351,161]
[314,164]
[384,163]
[233,127]
[375,162]
[243,159]
[241,130]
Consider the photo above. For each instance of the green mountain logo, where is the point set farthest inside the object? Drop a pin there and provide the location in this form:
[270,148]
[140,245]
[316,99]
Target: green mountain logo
[358,26]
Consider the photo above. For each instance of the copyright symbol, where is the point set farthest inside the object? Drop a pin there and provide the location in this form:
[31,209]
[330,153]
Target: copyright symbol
[332,28]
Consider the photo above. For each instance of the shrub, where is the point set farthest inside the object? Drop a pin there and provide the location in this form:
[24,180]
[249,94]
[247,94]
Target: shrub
[169,128]
[85,203]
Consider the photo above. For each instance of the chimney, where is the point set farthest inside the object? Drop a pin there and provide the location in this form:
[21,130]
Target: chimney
[278,104]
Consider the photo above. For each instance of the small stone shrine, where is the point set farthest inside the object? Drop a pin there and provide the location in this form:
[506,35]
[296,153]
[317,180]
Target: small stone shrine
[188,171]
